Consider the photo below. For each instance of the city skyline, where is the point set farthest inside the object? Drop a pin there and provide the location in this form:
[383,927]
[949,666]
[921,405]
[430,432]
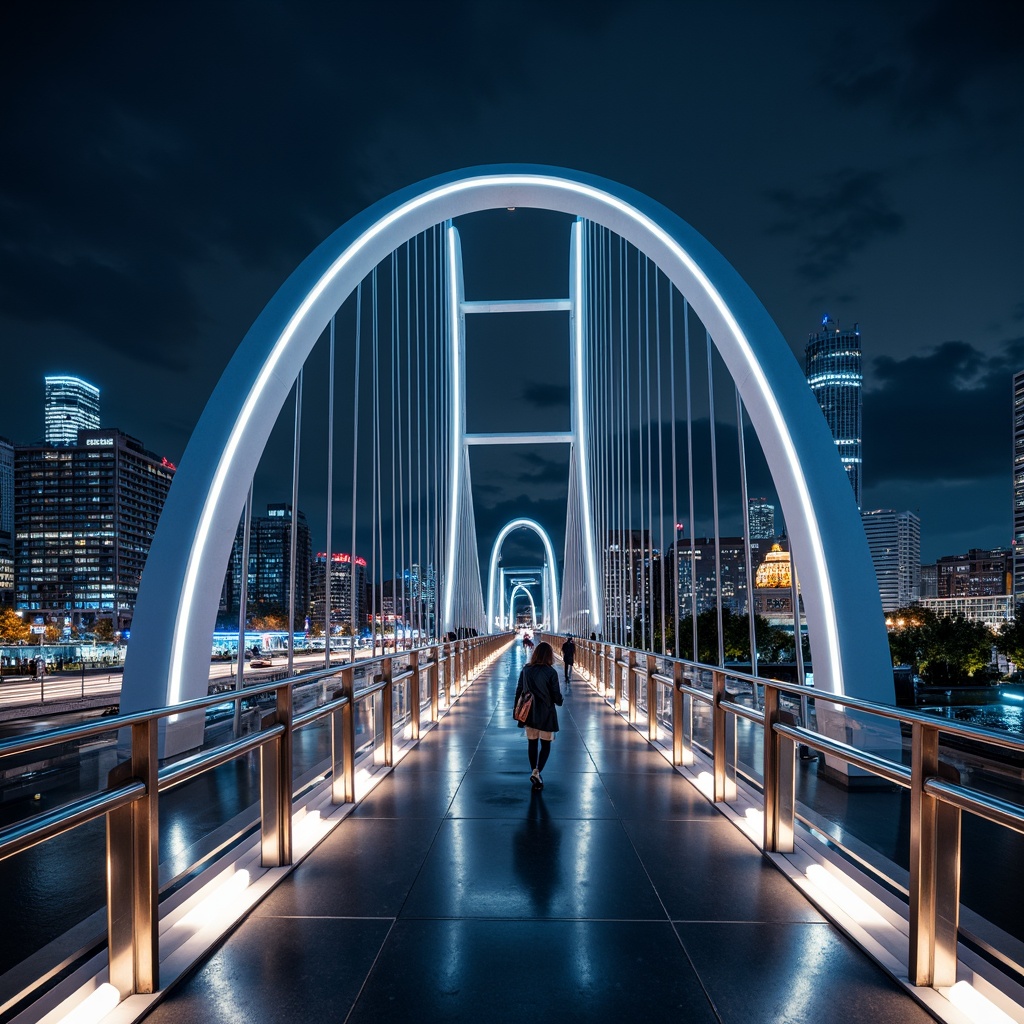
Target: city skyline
[145,230]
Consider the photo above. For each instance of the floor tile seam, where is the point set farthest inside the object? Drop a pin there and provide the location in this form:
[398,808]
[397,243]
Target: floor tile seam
[324,917]
[758,923]
[498,919]
[696,973]
[369,971]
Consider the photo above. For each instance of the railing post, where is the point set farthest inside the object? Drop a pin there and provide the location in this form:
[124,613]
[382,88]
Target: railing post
[414,695]
[343,744]
[677,713]
[934,868]
[652,699]
[276,786]
[779,779]
[434,677]
[133,932]
[616,676]
[388,713]
[630,687]
[723,743]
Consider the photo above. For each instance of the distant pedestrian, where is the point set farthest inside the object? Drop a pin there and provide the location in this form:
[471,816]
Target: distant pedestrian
[540,679]
[527,643]
[568,657]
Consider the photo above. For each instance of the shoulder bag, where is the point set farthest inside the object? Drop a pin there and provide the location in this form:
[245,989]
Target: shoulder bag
[525,703]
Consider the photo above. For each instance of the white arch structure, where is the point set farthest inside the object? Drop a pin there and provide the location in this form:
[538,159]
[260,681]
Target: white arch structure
[529,597]
[168,660]
[549,553]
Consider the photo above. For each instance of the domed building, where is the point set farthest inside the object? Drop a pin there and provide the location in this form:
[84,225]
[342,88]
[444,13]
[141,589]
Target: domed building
[773,588]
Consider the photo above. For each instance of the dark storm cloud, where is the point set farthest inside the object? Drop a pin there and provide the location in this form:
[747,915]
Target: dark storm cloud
[547,396]
[850,211]
[941,416]
[960,62]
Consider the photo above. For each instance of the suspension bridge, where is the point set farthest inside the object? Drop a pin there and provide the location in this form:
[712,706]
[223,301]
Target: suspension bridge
[676,391]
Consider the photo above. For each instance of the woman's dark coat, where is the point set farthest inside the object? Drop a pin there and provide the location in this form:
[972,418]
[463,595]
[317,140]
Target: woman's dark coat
[542,681]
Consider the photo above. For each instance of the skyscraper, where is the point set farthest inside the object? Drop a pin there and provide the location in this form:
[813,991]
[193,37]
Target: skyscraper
[1018,484]
[833,367]
[269,570]
[6,522]
[84,518]
[761,517]
[345,570]
[72,404]
[894,540]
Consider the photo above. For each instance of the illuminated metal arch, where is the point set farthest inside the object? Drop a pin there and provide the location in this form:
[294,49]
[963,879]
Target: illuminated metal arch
[549,551]
[168,660]
[529,597]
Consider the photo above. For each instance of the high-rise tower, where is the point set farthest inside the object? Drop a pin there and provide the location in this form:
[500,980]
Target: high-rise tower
[72,404]
[833,367]
[894,540]
[761,517]
[1018,485]
[6,522]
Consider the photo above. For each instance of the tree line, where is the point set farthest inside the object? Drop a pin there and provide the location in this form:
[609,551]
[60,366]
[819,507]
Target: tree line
[953,650]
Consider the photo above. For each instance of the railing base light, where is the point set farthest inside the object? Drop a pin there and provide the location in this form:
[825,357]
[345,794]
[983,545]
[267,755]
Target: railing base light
[705,782]
[969,1001]
[308,831]
[752,824]
[221,906]
[841,895]
[94,1007]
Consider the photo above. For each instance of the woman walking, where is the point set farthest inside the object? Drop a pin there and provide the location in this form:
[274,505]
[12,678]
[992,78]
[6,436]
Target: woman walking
[540,679]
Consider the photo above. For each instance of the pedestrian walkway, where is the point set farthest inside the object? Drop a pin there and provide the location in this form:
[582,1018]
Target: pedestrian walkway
[454,892]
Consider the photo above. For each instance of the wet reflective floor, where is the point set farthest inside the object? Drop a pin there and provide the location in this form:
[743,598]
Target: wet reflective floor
[455,892]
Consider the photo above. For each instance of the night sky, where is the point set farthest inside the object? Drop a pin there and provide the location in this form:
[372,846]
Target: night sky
[165,167]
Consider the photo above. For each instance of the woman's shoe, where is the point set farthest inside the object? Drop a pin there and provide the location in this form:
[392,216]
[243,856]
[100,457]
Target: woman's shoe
[538,782]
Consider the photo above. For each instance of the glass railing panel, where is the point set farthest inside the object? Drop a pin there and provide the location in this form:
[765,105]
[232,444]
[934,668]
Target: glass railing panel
[363,716]
[52,897]
[401,715]
[701,679]
[664,693]
[424,689]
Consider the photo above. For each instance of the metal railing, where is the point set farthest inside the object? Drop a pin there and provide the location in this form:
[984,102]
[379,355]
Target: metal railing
[130,801]
[629,679]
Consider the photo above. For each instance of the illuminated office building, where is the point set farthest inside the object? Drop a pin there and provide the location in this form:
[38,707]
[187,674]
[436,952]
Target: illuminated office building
[833,366]
[1018,485]
[71,405]
[345,570]
[270,544]
[6,522]
[84,518]
[761,519]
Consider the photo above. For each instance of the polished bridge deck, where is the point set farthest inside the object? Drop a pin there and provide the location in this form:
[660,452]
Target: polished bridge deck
[455,893]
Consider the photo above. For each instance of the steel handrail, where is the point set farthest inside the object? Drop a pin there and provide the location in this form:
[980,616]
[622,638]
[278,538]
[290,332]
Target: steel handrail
[26,834]
[892,771]
[999,812]
[750,714]
[189,768]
